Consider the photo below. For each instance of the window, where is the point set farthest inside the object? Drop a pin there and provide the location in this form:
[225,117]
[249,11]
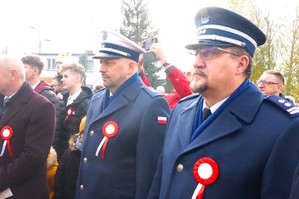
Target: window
[51,64]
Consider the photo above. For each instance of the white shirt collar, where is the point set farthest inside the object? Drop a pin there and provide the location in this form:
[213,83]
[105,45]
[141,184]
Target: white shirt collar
[215,106]
[76,94]
[35,85]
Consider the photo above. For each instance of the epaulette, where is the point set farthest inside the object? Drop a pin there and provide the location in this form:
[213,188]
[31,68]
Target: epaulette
[152,91]
[283,104]
[195,95]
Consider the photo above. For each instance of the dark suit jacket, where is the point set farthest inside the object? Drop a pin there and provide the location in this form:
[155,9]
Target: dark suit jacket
[253,142]
[32,120]
[131,156]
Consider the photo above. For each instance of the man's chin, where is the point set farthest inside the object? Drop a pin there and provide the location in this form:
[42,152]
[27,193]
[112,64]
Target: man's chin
[198,86]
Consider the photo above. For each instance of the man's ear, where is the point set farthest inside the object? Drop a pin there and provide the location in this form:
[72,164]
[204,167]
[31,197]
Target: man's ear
[14,74]
[132,66]
[242,64]
[35,70]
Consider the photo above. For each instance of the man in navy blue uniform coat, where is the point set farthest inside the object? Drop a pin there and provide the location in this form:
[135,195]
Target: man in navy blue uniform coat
[248,147]
[125,127]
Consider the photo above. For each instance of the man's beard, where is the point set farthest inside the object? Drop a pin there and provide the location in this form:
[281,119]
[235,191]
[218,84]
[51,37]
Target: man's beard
[198,87]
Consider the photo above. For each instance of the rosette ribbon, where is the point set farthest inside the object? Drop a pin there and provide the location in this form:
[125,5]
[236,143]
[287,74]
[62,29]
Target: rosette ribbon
[109,130]
[69,113]
[205,172]
[6,134]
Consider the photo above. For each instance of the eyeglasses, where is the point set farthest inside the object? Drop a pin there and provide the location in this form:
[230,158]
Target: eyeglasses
[264,82]
[207,53]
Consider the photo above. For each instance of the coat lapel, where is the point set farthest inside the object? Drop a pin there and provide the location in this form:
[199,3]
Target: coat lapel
[185,131]
[17,104]
[127,95]
[229,121]
[223,125]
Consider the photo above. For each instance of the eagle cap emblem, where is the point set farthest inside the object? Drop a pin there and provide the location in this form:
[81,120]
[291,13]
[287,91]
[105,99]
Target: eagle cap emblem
[204,16]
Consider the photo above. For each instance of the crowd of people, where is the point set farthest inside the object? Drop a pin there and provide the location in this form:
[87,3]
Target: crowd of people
[215,135]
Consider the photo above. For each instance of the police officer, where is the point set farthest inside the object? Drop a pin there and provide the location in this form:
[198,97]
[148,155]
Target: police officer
[248,146]
[125,127]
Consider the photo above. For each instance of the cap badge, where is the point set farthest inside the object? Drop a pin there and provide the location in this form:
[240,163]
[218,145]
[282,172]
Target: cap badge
[109,130]
[204,20]
[205,172]
[200,32]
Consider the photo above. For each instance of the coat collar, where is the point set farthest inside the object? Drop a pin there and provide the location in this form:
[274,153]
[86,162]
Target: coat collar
[128,95]
[241,109]
[21,97]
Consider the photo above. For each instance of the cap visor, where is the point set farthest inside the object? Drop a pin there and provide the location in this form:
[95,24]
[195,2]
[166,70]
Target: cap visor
[206,43]
[105,55]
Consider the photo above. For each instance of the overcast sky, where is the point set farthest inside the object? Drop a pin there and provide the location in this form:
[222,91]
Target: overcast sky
[73,25]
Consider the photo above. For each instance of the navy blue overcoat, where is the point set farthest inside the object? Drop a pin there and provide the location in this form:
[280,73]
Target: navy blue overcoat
[253,141]
[122,162]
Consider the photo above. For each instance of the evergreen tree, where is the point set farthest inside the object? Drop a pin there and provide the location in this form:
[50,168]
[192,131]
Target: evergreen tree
[137,26]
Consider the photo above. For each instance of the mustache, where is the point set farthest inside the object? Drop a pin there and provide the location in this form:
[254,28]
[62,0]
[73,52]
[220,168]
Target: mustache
[199,72]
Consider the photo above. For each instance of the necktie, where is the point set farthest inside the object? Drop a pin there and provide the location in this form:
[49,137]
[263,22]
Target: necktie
[4,107]
[206,112]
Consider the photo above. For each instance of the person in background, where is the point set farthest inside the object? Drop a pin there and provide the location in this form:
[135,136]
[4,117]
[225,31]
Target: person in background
[56,84]
[98,87]
[125,127]
[177,78]
[271,83]
[187,71]
[33,69]
[290,98]
[67,172]
[76,101]
[228,140]
[27,127]
[160,89]
[52,165]
[62,58]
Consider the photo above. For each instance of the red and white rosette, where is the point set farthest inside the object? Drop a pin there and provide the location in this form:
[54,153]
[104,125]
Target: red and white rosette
[6,134]
[70,111]
[205,172]
[109,130]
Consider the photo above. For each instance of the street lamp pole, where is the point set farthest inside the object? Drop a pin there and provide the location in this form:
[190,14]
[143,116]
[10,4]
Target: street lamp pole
[39,40]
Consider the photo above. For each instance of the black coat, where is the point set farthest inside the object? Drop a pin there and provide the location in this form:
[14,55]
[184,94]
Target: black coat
[66,174]
[70,123]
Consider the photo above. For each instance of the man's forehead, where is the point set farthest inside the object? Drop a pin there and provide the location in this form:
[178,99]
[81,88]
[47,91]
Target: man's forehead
[268,76]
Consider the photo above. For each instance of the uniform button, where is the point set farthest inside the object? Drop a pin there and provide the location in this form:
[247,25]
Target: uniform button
[180,168]
[91,133]
[84,160]
[81,187]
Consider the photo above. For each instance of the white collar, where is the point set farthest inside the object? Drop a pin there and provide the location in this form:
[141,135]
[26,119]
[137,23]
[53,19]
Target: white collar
[215,106]
[35,85]
[76,94]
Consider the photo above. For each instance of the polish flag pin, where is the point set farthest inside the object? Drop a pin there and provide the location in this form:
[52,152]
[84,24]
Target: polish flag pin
[205,172]
[6,134]
[162,120]
[109,130]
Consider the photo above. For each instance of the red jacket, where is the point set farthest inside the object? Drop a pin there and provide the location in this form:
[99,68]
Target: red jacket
[179,83]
